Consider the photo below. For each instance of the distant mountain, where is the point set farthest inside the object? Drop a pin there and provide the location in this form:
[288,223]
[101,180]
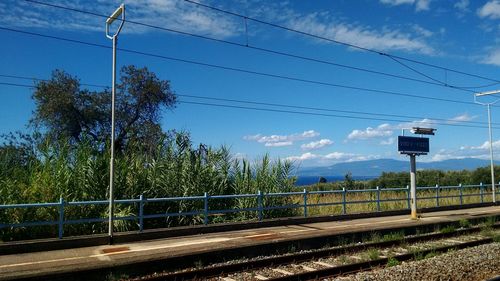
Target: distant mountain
[373,168]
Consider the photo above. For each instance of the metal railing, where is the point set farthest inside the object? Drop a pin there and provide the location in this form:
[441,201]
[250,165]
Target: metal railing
[303,202]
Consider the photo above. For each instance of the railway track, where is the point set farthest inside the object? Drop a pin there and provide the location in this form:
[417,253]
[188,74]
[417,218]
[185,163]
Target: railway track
[337,261]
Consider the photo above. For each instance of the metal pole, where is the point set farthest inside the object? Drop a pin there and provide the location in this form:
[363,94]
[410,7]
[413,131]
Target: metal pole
[491,155]
[109,21]
[112,159]
[305,203]
[413,190]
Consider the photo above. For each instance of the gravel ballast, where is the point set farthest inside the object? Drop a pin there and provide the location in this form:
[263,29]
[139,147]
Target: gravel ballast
[477,263]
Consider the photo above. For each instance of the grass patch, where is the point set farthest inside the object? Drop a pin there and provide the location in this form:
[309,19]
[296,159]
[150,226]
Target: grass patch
[392,262]
[374,237]
[464,223]
[496,238]
[373,254]
[418,256]
[487,231]
[198,264]
[395,236]
[344,260]
[490,221]
[430,255]
[448,229]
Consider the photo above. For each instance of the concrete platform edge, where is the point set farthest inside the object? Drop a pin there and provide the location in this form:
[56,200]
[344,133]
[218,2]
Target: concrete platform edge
[28,246]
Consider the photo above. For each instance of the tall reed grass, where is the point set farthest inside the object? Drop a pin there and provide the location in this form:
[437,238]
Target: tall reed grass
[174,169]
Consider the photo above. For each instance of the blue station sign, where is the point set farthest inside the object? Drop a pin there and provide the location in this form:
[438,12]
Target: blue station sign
[413,145]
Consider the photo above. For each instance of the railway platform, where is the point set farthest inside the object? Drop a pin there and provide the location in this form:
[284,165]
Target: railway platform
[33,265]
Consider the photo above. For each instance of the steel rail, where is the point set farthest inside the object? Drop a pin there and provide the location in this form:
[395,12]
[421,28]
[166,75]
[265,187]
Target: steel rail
[209,272]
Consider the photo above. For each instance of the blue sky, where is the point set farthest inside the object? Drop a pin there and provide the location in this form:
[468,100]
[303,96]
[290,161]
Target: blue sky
[460,35]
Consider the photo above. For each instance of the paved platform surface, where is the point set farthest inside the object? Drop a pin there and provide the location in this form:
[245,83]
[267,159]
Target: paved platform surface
[33,264]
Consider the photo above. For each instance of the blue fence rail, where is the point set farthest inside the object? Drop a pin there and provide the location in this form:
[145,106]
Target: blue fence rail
[302,203]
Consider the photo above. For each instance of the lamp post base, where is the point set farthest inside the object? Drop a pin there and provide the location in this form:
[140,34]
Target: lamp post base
[414,215]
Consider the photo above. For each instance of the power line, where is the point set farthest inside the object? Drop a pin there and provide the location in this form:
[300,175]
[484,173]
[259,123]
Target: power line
[275,52]
[40,79]
[256,102]
[325,109]
[326,115]
[432,120]
[338,42]
[240,70]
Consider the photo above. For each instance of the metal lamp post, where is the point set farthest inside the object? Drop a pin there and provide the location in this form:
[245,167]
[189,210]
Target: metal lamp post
[114,37]
[488,105]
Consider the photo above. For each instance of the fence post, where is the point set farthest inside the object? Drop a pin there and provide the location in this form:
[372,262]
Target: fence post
[305,203]
[408,195]
[259,204]
[344,203]
[141,213]
[378,198]
[461,194]
[61,218]
[205,210]
[481,192]
[437,195]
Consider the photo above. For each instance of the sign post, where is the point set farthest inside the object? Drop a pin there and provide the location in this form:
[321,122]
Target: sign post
[413,186]
[414,146]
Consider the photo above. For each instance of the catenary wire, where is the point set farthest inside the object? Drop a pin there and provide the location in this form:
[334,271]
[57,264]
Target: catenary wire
[328,115]
[40,79]
[256,102]
[241,70]
[431,120]
[341,42]
[271,51]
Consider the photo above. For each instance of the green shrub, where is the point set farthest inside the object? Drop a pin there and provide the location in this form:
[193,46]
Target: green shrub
[464,223]
[448,229]
[392,262]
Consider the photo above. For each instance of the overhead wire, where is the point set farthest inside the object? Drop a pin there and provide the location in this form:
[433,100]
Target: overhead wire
[271,51]
[40,79]
[332,115]
[350,45]
[241,70]
[446,122]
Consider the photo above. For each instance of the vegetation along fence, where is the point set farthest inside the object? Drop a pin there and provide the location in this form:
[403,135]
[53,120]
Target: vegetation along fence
[261,205]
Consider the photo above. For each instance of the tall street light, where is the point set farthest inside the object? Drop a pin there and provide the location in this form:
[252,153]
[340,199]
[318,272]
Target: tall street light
[488,105]
[114,37]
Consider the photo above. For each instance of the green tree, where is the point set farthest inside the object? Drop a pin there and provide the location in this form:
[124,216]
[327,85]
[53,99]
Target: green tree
[348,181]
[64,110]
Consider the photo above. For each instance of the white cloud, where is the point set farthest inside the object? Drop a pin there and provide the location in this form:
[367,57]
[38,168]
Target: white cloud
[316,144]
[485,146]
[422,31]
[323,24]
[305,156]
[339,156]
[493,57]
[240,156]
[383,130]
[388,141]
[333,157]
[420,5]
[481,151]
[171,14]
[397,2]
[281,140]
[462,118]
[278,144]
[490,10]
[462,5]
[330,158]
